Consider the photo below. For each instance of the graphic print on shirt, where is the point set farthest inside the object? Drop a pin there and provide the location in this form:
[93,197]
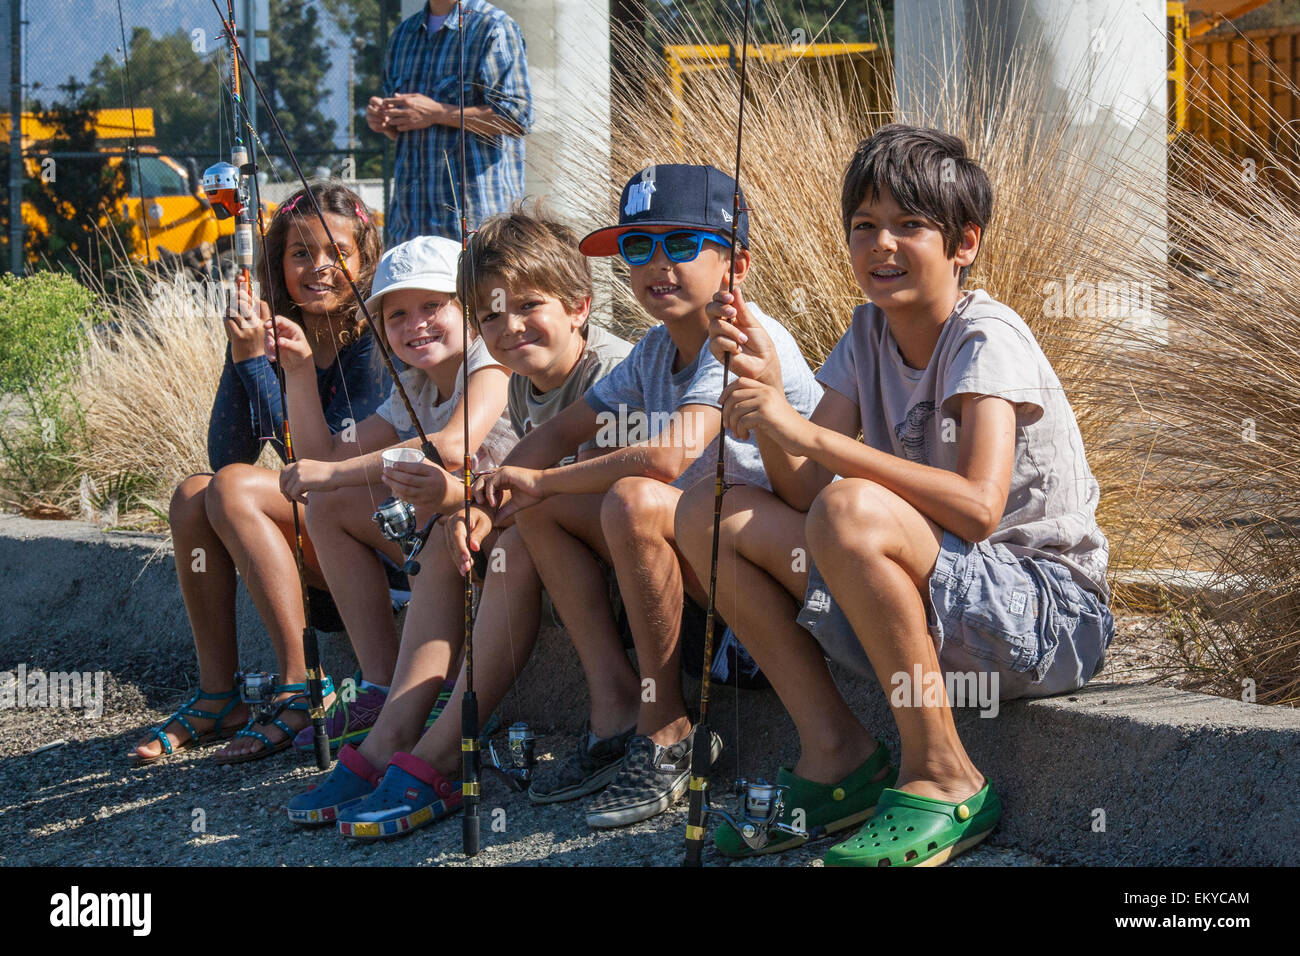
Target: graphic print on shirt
[913,433]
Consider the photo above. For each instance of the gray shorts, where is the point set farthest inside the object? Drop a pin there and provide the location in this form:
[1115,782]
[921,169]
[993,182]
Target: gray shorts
[1025,619]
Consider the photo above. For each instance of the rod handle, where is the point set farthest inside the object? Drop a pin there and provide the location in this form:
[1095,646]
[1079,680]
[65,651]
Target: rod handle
[469,775]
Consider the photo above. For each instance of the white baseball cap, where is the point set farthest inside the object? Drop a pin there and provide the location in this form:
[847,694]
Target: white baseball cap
[425,262]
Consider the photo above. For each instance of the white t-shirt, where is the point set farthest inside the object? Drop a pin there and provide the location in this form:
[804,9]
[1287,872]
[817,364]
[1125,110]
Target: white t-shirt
[984,347]
[434,411]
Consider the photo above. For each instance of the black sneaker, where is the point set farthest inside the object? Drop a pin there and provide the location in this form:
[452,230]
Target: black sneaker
[652,779]
[583,772]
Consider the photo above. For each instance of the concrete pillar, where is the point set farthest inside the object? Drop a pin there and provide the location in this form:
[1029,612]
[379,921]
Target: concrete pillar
[1104,63]
[568,150]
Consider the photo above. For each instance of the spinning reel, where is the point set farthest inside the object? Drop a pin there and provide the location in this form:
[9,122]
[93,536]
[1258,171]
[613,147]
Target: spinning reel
[224,185]
[761,806]
[517,764]
[396,521]
[257,689]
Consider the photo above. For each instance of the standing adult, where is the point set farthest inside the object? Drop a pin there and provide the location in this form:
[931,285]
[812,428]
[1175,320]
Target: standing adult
[420,111]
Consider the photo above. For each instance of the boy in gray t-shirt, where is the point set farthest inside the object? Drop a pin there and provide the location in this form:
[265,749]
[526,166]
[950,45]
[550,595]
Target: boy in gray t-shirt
[984,348]
[530,408]
[955,553]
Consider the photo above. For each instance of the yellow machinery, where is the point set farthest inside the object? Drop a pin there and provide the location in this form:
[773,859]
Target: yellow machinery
[1185,21]
[864,60]
[163,192]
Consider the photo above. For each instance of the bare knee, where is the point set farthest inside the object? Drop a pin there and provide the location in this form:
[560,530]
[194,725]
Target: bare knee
[232,492]
[693,522]
[515,559]
[537,518]
[847,516]
[324,512]
[632,508]
[189,502]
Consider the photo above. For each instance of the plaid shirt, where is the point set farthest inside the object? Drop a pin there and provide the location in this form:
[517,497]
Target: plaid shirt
[427,168]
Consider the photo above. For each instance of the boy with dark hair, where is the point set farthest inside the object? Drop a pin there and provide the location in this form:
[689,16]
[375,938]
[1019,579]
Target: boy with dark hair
[963,534]
[674,231]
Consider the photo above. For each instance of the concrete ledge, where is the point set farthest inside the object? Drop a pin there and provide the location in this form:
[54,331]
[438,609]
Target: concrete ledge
[1181,778]
[1205,587]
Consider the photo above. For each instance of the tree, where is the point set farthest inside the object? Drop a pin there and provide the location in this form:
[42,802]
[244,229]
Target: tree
[171,75]
[74,194]
[293,77]
[368,25]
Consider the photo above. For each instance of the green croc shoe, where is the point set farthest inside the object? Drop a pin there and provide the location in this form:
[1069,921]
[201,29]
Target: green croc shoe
[827,808]
[908,830]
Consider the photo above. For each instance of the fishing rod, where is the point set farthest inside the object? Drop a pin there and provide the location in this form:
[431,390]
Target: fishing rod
[227,186]
[469,745]
[229,194]
[762,802]
[426,446]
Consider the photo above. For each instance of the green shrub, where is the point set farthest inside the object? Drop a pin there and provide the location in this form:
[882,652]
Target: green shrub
[38,457]
[44,321]
[43,324]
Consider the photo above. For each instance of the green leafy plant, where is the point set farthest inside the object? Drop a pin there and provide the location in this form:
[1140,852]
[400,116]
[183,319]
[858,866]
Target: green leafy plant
[43,323]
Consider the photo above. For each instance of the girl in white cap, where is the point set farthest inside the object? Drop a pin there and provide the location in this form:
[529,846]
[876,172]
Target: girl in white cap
[339,477]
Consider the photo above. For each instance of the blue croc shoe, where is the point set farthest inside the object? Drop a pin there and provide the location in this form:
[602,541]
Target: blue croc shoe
[351,779]
[411,795]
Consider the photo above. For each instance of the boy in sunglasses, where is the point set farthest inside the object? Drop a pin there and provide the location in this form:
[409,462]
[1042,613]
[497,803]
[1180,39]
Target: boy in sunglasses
[662,403]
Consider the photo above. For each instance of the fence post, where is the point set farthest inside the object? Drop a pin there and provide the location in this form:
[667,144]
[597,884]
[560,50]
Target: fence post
[15,137]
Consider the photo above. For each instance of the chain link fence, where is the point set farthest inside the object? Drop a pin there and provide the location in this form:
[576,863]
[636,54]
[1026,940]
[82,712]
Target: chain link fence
[153,78]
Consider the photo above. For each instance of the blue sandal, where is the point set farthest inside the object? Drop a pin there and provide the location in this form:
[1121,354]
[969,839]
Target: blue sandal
[298,701]
[215,734]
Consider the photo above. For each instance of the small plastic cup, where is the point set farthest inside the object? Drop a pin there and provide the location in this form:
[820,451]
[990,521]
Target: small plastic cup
[393,455]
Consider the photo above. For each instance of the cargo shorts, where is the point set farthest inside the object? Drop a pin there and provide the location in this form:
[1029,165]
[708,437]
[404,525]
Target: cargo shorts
[988,611]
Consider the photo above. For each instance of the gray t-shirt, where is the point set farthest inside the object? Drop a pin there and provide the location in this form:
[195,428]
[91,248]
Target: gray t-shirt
[435,411]
[637,398]
[984,347]
[530,408]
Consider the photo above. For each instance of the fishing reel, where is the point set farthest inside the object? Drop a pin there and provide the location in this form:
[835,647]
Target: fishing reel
[257,689]
[517,764]
[223,184]
[396,521]
[761,806]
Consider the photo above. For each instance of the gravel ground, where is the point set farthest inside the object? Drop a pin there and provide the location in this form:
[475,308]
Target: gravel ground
[79,803]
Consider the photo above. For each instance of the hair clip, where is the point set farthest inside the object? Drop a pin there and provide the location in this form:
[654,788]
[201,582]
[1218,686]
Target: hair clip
[288,207]
[360,213]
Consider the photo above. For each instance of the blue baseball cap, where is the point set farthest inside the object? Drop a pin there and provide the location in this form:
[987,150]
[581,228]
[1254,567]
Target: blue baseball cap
[673,194]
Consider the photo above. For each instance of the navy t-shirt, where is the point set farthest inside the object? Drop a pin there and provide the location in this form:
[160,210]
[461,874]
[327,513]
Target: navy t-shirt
[247,410]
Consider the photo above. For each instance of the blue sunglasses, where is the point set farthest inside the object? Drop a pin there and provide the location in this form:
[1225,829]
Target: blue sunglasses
[638,248]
